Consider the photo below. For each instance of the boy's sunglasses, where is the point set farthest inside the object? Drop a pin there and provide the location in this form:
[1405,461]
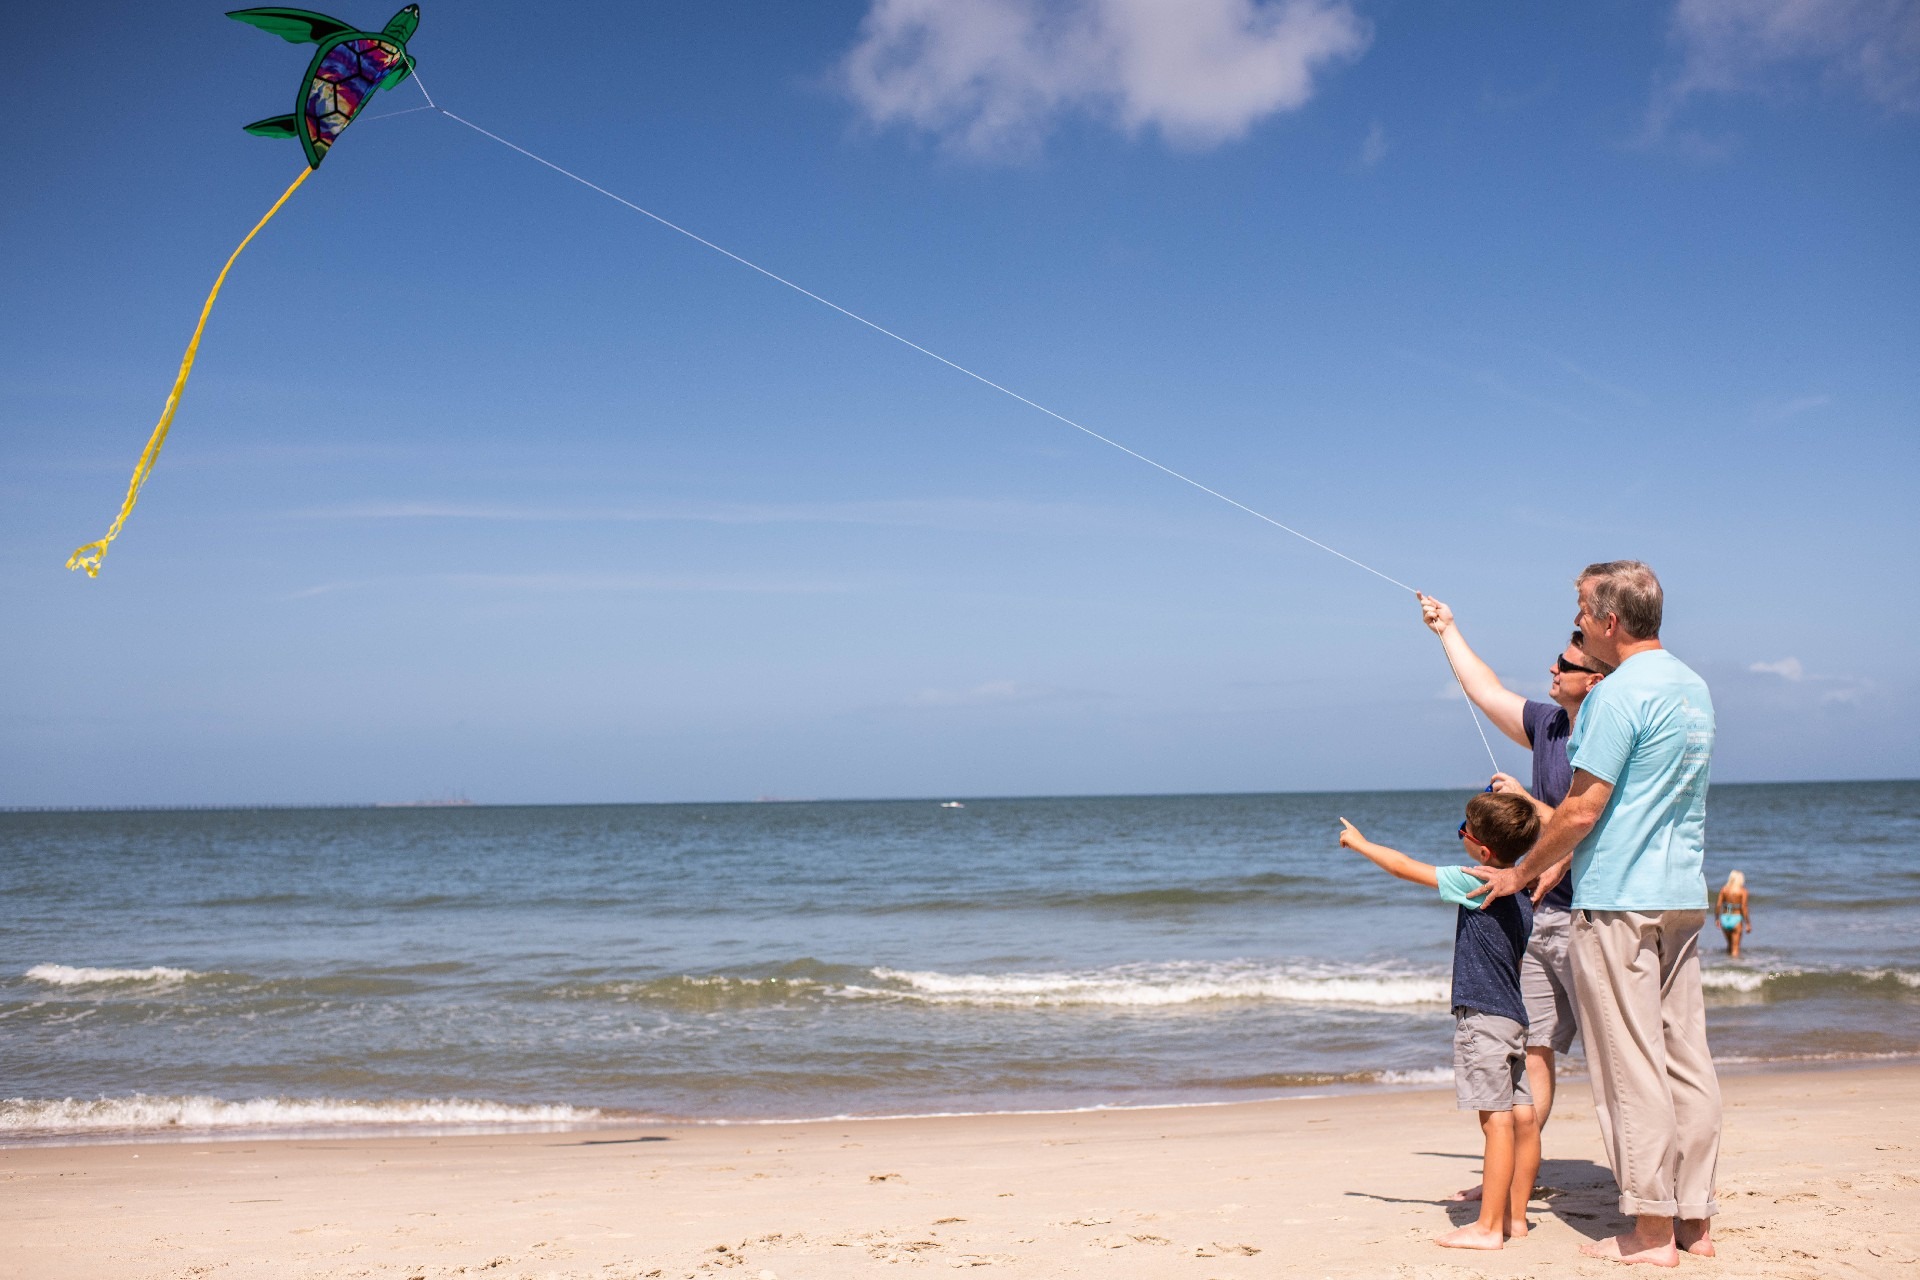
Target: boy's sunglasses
[1565,668]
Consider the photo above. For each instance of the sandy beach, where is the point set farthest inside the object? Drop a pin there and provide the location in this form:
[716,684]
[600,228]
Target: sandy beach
[1820,1177]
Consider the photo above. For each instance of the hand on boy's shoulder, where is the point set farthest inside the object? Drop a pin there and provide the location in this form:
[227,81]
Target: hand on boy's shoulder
[1458,886]
[1500,882]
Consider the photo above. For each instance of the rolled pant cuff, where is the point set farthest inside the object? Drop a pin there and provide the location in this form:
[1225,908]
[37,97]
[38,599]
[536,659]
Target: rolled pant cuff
[1634,1207]
[1695,1212]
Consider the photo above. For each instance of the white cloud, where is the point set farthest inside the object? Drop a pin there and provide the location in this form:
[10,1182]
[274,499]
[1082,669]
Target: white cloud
[1373,148]
[964,514]
[1495,385]
[1626,395]
[1781,410]
[992,693]
[990,76]
[323,589]
[1797,686]
[1730,46]
[585,582]
[605,583]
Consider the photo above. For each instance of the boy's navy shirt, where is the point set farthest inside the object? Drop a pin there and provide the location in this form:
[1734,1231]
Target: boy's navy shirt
[1548,727]
[1487,945]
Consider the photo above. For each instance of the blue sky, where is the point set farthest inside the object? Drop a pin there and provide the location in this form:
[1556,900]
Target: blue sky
[485,483]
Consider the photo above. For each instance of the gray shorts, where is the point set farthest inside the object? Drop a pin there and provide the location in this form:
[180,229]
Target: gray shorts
[1546,983]
[1489,1062]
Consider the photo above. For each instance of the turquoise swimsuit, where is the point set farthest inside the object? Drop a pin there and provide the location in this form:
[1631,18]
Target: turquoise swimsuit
[1730,920]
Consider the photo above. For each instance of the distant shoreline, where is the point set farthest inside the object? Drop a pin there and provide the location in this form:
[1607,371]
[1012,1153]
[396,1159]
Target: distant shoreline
[932,799]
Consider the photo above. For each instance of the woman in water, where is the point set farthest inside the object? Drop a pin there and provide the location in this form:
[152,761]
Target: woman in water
[1736,917]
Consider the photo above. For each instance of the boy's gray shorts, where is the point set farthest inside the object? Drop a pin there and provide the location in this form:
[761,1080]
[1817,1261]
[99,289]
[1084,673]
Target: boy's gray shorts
[1489,1062]
[1546,982]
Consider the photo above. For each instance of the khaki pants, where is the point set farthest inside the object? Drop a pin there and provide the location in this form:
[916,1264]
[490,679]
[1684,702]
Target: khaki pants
[1637,986]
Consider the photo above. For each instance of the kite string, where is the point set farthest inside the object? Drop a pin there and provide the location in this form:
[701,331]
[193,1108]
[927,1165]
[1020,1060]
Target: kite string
[1477,727]
[908,342]
[959,368]
[88,557]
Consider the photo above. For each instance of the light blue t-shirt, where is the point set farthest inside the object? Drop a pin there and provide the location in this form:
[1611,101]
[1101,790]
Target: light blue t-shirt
[1455,883]
[1648,730]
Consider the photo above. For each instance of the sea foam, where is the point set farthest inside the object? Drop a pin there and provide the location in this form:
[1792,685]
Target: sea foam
[48,1117]
[66,975]
[1794,979]
[1177,983]
[1421,1075]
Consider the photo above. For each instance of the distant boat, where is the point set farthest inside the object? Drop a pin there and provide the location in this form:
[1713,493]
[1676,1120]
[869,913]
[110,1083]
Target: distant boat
[951,804]
[452,800]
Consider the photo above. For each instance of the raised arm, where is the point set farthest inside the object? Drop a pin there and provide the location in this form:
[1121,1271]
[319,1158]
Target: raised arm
[1391,861]
[1502,705]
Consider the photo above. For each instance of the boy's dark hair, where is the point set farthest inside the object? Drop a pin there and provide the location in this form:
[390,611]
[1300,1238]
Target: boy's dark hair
[1506,823]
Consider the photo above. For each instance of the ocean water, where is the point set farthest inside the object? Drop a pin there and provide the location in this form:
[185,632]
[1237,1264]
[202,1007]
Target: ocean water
[289,969]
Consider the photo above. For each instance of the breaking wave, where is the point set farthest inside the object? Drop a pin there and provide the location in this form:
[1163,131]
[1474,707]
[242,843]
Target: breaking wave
[66,975]
[1179,983]
[1141,985]
[1318,1079]
[143,1113]
[1728,983]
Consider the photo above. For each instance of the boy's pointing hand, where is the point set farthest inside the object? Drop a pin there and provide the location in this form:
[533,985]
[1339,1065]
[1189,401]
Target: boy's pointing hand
[1350,837]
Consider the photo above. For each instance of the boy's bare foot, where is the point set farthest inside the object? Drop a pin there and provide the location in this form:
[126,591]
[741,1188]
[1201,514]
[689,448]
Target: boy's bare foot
[1518,1231]
[1471,1236]
[1460,1197]
[1695,1236]
[1630,1248]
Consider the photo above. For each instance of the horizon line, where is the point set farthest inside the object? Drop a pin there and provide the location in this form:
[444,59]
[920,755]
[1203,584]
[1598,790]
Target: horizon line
[359,805]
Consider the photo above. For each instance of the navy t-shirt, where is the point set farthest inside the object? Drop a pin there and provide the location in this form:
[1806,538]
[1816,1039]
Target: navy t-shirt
[1547,728]
[1487,946]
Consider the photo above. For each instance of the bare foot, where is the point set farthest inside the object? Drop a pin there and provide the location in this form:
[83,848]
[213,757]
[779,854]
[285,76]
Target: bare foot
[1461,1197]
[1471,1236]
[1630,1248]
[1518,1231]
[1695,1236]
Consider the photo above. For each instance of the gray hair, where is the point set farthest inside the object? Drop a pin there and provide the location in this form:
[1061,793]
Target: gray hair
[1628,590]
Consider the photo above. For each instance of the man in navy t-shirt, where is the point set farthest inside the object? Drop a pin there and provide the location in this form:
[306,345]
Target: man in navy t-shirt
[1546,975]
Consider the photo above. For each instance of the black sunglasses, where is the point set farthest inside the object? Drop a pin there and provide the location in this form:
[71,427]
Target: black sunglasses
[1564,667]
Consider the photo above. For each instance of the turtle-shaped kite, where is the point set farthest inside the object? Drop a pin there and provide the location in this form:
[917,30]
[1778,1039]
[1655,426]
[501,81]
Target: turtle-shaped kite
[345,71]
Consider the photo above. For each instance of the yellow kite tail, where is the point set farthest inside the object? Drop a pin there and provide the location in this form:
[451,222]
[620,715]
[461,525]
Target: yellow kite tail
[90,556]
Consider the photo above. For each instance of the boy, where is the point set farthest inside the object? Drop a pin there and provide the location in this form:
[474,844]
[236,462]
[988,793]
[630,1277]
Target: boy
[1490,1018]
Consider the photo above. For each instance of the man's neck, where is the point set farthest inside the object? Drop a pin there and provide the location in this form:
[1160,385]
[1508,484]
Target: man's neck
[1628,648]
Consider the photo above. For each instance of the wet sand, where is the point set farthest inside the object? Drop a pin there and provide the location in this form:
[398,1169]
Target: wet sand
[1820,1177]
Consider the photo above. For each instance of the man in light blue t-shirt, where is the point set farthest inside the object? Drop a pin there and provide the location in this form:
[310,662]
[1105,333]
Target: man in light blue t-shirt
[1634,823]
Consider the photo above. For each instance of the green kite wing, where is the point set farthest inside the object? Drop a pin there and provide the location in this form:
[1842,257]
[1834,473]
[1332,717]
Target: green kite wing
[295,26]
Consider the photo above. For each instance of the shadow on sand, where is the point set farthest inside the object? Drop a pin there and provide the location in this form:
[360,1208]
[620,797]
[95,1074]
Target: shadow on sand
[1578,1192]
